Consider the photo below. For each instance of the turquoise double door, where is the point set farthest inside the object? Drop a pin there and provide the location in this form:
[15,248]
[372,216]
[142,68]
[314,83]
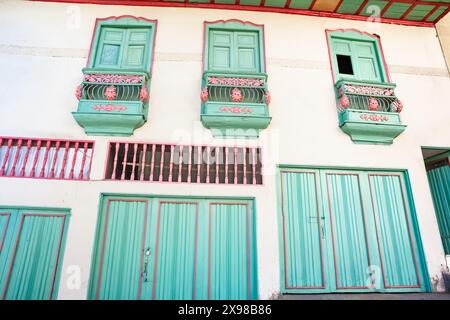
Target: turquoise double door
[348,231]
[32,244]
[174,248]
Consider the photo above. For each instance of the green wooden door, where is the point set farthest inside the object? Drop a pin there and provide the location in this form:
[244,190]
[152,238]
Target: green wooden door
[171,248]
[439,179]
[31,250]
[234,51]
[348,231]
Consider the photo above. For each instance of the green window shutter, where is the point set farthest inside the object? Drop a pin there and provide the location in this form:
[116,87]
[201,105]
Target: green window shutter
[176,251]
[230,249]
[439,180]
[110,48]
[362,55]
[301,230]
[393,230]
[34,257]
[234,51]
[220,50]
[136,48]
[122,235]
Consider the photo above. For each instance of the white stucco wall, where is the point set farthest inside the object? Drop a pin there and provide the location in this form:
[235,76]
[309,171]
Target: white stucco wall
[44,46]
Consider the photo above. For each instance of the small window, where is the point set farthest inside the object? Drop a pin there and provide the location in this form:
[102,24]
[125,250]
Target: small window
[344,64]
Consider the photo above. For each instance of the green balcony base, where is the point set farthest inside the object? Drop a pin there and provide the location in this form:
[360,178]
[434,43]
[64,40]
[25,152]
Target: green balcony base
[109,124]
[236,120]
[371,127]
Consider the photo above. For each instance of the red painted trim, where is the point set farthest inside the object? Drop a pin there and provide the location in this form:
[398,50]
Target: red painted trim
[261,26]
[430,13]
[376,38]
[8,278]
[286,284]
[405,14]
[155,268]
[249,265]
[378,232]
[336,268]
[307,12]
[8,214]
[363,5]
[105,228]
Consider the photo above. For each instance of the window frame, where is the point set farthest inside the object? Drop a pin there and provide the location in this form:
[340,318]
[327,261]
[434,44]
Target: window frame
[123,22]
[234,25]
[354,35]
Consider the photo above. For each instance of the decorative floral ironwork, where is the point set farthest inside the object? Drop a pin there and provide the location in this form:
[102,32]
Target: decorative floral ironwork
[113,78]
[236,110]
[144,94]
[373,104]
[374,117]
[109,108]
[268,97]
[345,101]
[110,93]
[397,106]
[204,94]
[369,90]
[236,95]
[79,91]
[240,82]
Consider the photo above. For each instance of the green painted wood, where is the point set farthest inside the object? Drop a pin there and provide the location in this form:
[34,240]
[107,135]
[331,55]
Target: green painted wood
[369,234]
[119,258]
[395,239]
[439,180]
[349,233]
[230,251]
[32,254]
[182,258]
[176,251]
[302,231]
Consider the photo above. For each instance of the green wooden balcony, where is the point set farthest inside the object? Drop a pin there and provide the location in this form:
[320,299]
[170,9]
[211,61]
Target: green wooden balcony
[369,112]
[112,103]
[235,105]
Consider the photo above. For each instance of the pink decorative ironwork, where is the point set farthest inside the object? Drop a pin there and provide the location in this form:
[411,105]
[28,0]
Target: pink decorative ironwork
[369,90]
[110,93]
[204,95]
[345,101]
[240,82]
[374,117]
[235,109]
[114,78]
[397,106]
[236,95]
[109,108]
[79,91]
[268,97]
[144,94]
[373,104]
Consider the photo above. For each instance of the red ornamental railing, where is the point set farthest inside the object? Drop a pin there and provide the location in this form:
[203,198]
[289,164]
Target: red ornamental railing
[45,158]
[182,163]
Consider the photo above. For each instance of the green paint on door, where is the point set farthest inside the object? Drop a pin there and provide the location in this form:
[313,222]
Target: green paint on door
[31,253]
[172,248]
[348,231]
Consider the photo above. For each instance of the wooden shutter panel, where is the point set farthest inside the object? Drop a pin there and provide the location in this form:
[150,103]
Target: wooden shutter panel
[366,60]
[110,47]
[220,50]
[136,48]
[247,51]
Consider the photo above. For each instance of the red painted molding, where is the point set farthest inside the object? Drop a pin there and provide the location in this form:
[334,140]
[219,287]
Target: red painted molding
[285,10]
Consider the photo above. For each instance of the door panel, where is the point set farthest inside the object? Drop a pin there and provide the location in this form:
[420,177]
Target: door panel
[348,225]
[122,247]
[369,241]
[33,256]
[397,252]
[229,252]
[176,250]
[303,252]
[439,180]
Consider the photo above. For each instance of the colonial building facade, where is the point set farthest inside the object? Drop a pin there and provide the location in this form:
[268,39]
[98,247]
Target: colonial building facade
[223,149]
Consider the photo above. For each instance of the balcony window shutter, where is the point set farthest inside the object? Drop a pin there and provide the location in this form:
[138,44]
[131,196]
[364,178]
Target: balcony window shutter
[247,51]
[110,47]
[136,48]
[220,50]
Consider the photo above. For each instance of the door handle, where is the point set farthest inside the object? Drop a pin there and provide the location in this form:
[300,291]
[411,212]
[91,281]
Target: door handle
[147,253]
[322,227]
